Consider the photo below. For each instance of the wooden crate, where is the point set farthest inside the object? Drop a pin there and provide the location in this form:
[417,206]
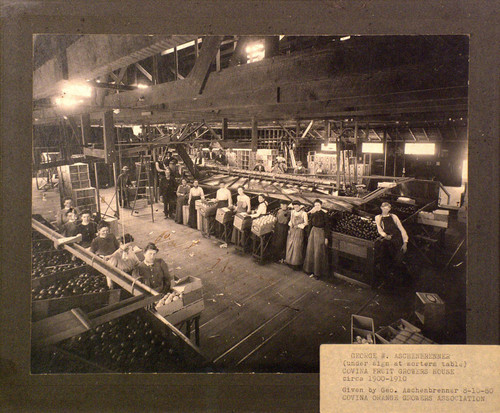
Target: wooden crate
[224,215]
[363,327]
[208,208]
[357,250]
[430,310]
[191,304]
[263,229]
[242,221]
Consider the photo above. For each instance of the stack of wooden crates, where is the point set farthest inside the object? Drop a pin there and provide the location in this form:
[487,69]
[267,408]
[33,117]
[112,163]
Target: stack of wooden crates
[74,183]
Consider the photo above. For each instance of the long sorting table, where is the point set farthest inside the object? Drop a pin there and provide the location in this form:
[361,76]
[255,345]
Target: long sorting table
[71,323]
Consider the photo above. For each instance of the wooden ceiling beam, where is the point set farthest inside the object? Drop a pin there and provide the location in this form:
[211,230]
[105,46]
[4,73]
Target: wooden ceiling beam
[92,56]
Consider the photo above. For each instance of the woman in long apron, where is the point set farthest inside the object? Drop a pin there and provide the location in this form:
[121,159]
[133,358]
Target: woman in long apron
[195,193]
[281,232]
[182,197]
[295,241]
[395,239]
[242,205]
[316,263]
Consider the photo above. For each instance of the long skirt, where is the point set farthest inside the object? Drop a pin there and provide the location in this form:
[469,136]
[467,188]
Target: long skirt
[295,246]
[181,201]
[316,259]
[279,241]
[192,212]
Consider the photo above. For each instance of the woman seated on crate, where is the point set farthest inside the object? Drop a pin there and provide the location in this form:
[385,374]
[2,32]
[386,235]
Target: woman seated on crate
[153,271]
[316,263]
[242,205]
[87,228]
[395,242]
[295,241]
[281,232]
[182,199]
[62,215]
[195,193]
[262,208]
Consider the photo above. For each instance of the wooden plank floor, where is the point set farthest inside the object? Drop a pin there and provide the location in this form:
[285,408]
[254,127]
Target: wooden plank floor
[257,317]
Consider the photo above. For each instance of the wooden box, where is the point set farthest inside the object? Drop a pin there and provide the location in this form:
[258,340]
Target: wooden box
[263,229]
[242,221]
[430,310]
[363,327]
[208,208]
[358,251]
[191,288]
[224,215]
[191,303]
[185,214]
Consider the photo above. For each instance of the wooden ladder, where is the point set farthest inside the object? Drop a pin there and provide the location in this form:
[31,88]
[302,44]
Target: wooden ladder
[143,189]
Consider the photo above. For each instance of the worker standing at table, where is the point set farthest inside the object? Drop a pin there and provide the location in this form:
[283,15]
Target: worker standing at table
[395,242]
[295,241]
[224,197]
[153,271]
[316,263]
[281,232]
[195,193]
[182,198]
[262,208]
[242,205]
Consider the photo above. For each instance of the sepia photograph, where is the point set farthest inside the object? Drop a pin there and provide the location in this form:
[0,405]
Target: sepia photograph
[274,206]
[230,203]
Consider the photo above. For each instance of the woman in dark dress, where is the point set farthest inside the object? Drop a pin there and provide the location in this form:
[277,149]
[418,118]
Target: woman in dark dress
[281,232]
[195,193]
[316,263]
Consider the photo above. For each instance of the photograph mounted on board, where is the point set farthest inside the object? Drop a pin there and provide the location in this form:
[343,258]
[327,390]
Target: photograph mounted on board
[230,203]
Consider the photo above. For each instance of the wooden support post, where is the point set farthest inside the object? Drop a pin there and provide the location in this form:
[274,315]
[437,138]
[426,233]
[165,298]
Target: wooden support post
[155,73]
[115,177]
[224,129]
[118,136]
[217,61]
[338,163]
[176,63]
[97,188]
[86,128]
[356,153]
[385,151]
[395,152]
[196,49]
[255,135]
[109,137]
